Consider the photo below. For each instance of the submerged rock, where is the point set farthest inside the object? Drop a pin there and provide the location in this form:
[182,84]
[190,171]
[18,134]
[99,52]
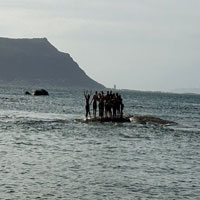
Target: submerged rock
[151,120]
[137,119]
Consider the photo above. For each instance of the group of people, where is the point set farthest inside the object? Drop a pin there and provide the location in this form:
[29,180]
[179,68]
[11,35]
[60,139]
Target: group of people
[109,105]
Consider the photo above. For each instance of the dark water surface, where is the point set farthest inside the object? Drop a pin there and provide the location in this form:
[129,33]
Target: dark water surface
[46,154]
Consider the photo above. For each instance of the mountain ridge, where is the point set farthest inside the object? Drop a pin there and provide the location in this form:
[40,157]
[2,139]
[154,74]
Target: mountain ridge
[36,61]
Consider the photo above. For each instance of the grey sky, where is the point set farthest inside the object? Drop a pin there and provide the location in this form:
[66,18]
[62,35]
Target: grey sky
[135,44]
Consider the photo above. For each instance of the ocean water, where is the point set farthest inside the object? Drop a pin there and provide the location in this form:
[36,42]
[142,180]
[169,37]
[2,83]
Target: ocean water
[45,153]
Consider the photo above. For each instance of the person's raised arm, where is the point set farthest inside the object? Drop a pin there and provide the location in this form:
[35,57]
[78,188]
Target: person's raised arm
[84,93]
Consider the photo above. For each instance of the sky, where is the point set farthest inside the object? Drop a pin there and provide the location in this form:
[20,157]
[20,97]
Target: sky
[149,45]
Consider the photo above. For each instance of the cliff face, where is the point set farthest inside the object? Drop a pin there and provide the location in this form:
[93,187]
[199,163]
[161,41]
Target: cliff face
[37,62]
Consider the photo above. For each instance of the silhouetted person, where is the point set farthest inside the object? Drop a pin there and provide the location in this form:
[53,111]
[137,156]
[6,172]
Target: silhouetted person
[101,105]
[107,97]
[87,106]
[114,105]
[121,107]
[103,99]
[94,100]
[117,103]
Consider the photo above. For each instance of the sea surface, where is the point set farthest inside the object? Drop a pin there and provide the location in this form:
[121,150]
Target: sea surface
[46,153]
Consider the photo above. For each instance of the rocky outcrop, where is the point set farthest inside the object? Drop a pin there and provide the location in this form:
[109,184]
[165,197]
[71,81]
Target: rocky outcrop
[150,120]
[136,119]
[27,93]
[41,92]
[107,119]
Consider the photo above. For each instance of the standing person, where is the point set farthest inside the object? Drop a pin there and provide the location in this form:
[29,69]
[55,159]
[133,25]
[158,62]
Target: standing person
[107,104]
[94,100]
[117,103]
[110,104]
[121,107]
[101,105]
[114,105]
[87,106]
[99,100]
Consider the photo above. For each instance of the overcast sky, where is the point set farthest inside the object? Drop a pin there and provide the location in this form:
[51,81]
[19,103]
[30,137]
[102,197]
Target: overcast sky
[135,44]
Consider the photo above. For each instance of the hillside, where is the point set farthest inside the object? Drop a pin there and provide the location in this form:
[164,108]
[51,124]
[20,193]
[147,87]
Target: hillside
[37,62]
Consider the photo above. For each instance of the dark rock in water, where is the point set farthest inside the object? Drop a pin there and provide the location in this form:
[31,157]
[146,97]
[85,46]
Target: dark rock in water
[41,92]
[27,93]
[107,119]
